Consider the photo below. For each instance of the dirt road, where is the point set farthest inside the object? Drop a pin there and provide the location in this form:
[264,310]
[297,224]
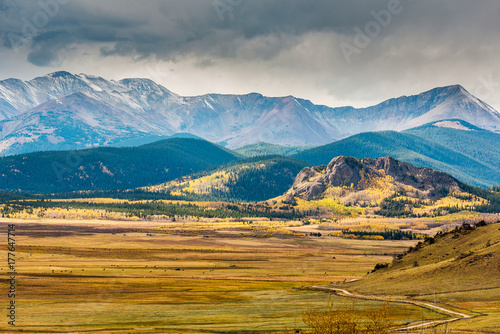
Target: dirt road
[430,306]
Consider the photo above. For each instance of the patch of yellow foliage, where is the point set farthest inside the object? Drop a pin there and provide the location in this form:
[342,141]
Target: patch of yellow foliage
[353,236]
[450,201]
[331,205]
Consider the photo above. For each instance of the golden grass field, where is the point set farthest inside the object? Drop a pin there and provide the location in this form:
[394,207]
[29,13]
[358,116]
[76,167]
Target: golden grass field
[208,276]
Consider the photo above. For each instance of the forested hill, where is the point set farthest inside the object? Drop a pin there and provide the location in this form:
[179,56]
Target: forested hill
[262,149]
[251,179]
[110,168]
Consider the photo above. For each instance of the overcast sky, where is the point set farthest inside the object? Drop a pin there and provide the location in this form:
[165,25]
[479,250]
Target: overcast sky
[345,52]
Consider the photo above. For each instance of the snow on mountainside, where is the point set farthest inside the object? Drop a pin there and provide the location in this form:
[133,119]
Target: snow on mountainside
[452,125]
[22,96]
[66,111]
[450,102]
[456,102]
[76,121]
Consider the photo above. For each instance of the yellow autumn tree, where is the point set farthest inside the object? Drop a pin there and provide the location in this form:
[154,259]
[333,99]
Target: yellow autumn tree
[345,319]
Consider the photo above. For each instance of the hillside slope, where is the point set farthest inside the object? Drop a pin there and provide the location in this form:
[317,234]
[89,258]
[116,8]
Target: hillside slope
[466,258]
[109,168]
[462,137]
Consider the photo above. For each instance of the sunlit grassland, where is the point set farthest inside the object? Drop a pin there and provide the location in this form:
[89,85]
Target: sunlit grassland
[485,306]
[257,311]
[185,277]
[453,264]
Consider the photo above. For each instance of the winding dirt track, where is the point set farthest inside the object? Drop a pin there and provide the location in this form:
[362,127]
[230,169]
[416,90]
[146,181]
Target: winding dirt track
[430,306]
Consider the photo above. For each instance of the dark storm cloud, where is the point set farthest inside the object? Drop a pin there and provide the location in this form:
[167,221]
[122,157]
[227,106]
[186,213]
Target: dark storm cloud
[174,28]
[166,29]
[332,50]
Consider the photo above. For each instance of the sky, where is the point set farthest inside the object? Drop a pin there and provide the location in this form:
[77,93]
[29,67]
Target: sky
[332,52]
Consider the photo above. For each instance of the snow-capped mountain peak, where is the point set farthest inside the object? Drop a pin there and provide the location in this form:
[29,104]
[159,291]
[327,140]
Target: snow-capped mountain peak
[66,111]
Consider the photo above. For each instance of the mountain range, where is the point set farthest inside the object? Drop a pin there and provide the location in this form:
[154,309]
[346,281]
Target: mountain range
[64,111]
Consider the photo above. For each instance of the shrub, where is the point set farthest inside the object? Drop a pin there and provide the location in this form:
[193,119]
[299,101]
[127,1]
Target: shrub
[380,266]
[345,319]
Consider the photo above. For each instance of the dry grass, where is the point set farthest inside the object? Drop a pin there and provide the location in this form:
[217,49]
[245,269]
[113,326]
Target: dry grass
[459,270]
[139,276]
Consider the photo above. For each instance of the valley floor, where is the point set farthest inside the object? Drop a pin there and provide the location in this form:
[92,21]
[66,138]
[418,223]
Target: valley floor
[193,276]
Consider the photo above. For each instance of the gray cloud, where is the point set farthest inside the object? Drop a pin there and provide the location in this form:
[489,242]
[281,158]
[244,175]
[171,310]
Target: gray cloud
[272,46]
[44,45]
[165,28]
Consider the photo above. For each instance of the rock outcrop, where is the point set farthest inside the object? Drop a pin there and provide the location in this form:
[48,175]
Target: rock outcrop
[358,174]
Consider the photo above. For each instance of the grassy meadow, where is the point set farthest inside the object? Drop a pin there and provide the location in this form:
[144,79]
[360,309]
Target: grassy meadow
[207,276]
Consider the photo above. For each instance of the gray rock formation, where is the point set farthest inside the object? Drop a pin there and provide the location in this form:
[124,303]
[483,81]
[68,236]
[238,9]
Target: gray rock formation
[358,174]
